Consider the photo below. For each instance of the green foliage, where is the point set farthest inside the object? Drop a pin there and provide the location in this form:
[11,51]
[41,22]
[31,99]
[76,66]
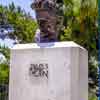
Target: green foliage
[92,96]
[80,22]
[24,27]
[23,24]
[4,73]
[6,52]
[4,66]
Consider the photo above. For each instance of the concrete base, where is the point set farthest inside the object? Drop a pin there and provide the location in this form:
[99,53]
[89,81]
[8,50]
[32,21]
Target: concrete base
[49,72]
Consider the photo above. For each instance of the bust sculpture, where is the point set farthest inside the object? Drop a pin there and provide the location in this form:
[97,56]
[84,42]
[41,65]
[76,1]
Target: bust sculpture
[48,20]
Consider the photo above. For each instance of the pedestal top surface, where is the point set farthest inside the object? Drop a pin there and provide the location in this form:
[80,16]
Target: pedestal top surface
[46,45]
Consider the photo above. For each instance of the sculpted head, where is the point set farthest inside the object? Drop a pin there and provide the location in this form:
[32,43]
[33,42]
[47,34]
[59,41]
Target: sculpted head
[48,20]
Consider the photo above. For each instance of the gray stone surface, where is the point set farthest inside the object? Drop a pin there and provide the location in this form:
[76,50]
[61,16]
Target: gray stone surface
[57,72]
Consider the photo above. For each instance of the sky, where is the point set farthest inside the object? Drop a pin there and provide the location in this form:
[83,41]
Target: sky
[25,5]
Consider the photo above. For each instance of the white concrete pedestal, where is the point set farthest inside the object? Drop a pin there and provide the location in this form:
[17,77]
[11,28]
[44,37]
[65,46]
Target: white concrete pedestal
[58,72]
